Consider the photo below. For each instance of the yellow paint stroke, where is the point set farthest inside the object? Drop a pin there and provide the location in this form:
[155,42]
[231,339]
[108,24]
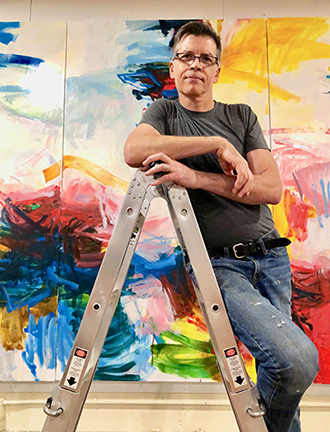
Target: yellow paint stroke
[3,249]
[244,53]
[13,324]
[182,326]
[257,83]
[244,47]
[294,40]
[279,216]
[290,41]
[85,166]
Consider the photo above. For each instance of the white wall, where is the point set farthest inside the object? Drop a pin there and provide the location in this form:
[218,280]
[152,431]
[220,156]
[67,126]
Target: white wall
[85,10]
[150,406]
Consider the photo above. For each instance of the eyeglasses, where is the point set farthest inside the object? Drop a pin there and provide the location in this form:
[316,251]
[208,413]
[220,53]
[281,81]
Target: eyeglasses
[189,58]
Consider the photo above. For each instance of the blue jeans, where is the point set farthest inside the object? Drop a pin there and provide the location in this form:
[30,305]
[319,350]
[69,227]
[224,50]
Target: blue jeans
[257,294]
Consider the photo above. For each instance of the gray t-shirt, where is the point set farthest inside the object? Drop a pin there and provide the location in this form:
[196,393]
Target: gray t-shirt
[223,222]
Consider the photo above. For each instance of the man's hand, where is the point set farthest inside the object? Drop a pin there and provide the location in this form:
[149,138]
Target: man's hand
[234,164]
[173,171]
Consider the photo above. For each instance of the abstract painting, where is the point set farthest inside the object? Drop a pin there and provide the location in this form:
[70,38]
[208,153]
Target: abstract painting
[299,72]
[63,180]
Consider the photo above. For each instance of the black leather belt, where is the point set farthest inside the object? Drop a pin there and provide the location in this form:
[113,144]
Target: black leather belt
[241,250]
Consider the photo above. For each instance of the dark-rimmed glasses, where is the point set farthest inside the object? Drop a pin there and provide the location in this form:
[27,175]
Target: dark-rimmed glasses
[189,58]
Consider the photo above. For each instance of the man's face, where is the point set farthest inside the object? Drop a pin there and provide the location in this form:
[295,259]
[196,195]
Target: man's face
[195,79]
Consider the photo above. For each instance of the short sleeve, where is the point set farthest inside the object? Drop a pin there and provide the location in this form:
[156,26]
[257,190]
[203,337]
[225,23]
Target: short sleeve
[155,115]
[254,137]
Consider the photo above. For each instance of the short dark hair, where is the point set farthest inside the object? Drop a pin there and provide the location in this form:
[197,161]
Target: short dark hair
[197,28]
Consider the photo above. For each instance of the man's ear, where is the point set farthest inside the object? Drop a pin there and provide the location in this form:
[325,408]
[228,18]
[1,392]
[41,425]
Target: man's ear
[216,76]
[171,67]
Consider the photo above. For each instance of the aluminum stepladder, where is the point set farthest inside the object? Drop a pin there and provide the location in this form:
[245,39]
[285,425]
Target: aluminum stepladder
[66,401]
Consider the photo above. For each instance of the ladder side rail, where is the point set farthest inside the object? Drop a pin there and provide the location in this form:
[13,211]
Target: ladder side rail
[243,397]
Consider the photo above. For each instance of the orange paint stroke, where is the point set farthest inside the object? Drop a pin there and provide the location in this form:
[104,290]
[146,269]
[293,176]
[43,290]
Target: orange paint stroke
[85,166]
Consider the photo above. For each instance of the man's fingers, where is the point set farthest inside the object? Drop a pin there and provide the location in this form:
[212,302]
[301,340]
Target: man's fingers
[243,185]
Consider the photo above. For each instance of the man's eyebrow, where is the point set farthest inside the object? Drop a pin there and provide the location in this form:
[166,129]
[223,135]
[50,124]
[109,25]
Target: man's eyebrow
[203,53]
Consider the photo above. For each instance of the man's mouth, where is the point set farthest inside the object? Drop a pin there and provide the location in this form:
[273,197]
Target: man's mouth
[193,78]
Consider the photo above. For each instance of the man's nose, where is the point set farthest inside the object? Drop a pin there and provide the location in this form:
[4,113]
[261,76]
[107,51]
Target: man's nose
[196,63]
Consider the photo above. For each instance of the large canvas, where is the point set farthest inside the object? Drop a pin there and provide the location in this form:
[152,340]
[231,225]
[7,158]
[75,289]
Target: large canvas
[74,186]
[299,52]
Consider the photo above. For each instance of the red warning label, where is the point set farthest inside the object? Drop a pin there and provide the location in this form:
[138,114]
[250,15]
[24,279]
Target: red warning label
[230,352]
[80,353]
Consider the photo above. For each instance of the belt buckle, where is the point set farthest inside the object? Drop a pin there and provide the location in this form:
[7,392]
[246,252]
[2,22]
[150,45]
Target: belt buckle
[235,252]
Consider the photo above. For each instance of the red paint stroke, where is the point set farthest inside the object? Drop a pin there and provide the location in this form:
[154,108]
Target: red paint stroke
[297,213]
[76,215]
[311,310]
[320,335]
[184,302]
[42,207]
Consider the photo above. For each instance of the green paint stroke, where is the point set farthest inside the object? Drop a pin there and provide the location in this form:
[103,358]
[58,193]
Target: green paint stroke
[186,358]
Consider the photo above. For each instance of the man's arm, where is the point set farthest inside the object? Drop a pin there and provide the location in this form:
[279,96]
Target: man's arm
[146,141]
[266,187]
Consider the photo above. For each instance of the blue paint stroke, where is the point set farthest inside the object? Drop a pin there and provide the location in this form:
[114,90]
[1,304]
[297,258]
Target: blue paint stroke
[20,293]
[14,89]
[56,280]
[41,343]
[65,338]
[166,27]
[21,60]
[142,53]
[125,354]
[5,36]
[319,218]
[324,198]
[102,83]
[148,81]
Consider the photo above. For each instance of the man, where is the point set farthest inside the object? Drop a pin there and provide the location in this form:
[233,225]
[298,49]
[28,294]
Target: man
[218,152]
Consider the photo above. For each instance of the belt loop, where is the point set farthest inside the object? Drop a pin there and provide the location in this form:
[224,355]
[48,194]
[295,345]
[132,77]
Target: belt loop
[226,252]
[262,246]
